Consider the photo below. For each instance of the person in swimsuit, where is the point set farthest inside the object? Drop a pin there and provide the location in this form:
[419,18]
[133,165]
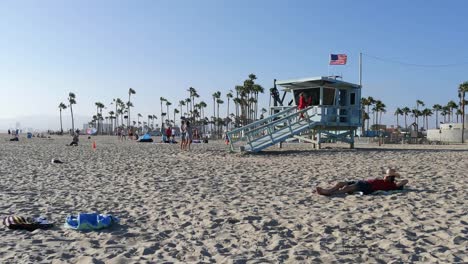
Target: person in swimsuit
[388,183]
[183,135]
[188,141]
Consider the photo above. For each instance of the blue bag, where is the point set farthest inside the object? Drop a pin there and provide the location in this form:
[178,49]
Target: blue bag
[90,221]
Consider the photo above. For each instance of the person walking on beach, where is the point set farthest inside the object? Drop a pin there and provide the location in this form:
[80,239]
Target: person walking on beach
[119,133]
[188,140]
[388,183]
[183,135]
[9,132]
[173,132]
[124,134]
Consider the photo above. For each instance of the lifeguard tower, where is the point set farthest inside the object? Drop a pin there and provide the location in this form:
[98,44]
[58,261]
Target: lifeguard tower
[333,115]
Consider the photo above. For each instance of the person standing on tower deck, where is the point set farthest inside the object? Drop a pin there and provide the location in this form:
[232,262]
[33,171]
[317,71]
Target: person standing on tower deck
[302,103]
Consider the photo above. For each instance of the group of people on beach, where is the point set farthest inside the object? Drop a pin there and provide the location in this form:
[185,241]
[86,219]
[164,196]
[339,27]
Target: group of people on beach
[185,135]
[15,135]
[122,133]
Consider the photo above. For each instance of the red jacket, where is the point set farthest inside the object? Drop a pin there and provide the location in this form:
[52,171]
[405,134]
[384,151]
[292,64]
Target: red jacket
[382,185]
[302,103]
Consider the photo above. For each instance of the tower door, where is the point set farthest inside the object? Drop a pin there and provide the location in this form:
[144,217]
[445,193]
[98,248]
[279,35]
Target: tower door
[342,103]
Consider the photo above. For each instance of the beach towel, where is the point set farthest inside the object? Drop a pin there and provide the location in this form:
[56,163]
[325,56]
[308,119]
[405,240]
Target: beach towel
[26,223]
[145,138]
[90,221]
[381,192]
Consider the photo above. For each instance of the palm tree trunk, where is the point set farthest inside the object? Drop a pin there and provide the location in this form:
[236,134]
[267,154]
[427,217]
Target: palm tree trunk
[167,113]
[256,105]
[406,124]
[73,121]
[368,120]
[217,122]
[128,120]
[162,118]
[61,127]
[116,115]
[214,113]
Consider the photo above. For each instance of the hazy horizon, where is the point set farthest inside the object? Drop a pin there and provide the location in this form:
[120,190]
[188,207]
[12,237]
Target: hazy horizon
[98,50]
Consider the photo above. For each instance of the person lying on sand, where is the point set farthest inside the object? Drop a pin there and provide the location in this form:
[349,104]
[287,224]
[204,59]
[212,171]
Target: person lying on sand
[388,183]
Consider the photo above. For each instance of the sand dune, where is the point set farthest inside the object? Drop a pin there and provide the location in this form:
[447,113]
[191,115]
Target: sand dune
[211,206]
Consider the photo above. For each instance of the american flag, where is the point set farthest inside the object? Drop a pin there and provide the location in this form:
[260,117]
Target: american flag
[338,59]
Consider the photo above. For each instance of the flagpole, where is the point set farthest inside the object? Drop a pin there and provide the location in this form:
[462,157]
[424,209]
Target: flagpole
[360,69]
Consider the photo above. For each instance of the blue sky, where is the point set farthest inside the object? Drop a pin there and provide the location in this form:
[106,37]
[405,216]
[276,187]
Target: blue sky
[98,49]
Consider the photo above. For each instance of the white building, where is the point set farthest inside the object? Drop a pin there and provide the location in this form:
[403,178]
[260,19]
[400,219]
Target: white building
[450,132]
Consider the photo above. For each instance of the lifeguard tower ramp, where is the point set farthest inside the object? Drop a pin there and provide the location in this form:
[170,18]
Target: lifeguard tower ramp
[333,115]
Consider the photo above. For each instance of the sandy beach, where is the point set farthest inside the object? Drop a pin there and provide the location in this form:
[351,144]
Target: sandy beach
[210,206]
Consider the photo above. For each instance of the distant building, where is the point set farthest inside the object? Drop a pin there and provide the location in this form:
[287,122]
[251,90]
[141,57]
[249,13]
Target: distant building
[449,132]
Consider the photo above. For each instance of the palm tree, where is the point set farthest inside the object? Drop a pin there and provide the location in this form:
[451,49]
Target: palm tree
[138,120]
[120,112]
[406,111]
[437,108]
[398,112]
[154,119]
[416,114]
[462,90]
[107,123]
[218,102]
[193,94]
[365,117]
[446,112]
[117,103]
[99,107]
[252,102]
[426,113]
[161,100]
[237,102]
[167,107]
[229,96]
[419,103]
[72,101]
[451,105]
[379,108]
[368,102]
[129,104]
[176,111]
[256,88]
[364,104]
[130,92]
[202,106]
[150,117]
[458,113]
[181,103]
[216,95]
[61,107]
[111,115]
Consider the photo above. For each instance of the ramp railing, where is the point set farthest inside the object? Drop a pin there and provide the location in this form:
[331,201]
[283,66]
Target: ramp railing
[263,131]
